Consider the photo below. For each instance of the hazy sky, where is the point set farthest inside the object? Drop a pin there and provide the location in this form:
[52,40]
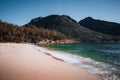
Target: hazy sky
[21,12]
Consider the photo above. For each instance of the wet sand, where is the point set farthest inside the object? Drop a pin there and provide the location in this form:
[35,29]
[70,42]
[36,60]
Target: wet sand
[23,62]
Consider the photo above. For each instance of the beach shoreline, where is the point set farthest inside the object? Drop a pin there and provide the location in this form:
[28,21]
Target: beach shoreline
[24,62]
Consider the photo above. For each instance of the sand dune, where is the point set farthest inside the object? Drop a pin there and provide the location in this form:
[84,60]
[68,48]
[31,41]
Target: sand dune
[23,62]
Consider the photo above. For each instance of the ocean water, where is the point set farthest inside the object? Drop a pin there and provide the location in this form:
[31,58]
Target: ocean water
[102,59]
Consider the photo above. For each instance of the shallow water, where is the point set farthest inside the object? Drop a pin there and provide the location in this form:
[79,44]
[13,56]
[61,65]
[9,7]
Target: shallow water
[99,58]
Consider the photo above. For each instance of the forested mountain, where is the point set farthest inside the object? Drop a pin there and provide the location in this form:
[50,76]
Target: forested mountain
[66,25]
[101,26]
[59,27]
[14,33]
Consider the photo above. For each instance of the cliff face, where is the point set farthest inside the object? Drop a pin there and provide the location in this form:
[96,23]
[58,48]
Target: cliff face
[69,27]
[101,26]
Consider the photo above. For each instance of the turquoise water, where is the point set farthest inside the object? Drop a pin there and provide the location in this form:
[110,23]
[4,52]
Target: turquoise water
[105,55]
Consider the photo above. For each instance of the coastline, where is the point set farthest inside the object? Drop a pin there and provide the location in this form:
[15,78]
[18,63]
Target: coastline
[24,62]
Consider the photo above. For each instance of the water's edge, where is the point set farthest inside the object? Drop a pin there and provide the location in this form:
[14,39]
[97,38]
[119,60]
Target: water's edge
[106,71]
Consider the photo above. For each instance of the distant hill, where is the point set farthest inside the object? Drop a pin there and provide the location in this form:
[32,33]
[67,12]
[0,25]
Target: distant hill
[53,28]
[69,27]
[14,33]
[101,26]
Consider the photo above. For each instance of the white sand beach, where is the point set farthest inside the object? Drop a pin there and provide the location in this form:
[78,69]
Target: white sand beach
[24,62]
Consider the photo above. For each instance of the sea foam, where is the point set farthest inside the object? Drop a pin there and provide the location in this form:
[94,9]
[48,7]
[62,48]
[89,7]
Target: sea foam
[90,65]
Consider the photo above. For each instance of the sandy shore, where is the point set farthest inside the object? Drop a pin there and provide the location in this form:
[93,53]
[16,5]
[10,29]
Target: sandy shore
[23,62]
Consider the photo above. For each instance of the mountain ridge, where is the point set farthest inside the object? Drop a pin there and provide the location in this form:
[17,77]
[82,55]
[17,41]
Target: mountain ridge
[69,27]
[105,27]
[52,28]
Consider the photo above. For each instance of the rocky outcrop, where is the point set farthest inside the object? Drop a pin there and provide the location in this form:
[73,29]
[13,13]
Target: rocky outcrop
[66,41]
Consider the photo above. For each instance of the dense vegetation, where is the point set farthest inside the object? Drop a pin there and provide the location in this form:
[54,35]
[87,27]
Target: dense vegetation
[59,27]
[67,26]
[14,33]
[101,26]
